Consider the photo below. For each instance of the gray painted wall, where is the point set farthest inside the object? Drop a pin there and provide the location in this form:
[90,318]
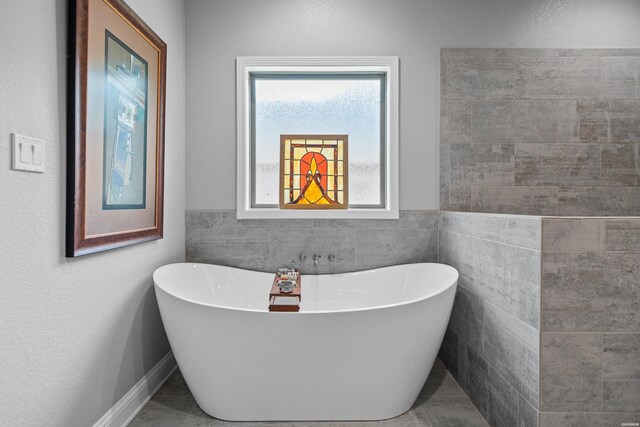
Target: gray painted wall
[415,30]
[75,334]
[540,131]
[492,342]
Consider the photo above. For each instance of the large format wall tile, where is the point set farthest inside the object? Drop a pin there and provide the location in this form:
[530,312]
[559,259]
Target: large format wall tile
[559,134]
[623,235]
[557,164]
[491,164]
[488,269]
[249,254]
[532,121]
[511,347]
[514,230]
[475,377]
[458,124]
[620,76]
[449,353]
[492,342]
[525,200]
[598,201]
[558,78]
[620,164]
[502,401]
[493,256]
[481,78]
[445,172]
[381,248]
[591,275]
[571,372]
[527,415]
[519,121]
[457,222]
[621,372]
[467,318]
[590,292]
[529,265]
[265,244]
[590,354]
[510,229]
[460,199]
[285,251]
[625,121]
[573,235]
[409,220]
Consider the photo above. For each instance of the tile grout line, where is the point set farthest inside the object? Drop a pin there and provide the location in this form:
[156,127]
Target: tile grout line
[511,245]
[602,370]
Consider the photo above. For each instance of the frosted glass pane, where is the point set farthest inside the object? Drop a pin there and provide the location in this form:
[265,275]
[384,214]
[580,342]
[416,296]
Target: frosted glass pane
[319,106]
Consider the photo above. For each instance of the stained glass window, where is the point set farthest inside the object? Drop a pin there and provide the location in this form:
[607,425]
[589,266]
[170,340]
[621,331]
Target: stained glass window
[314,172]
[314,105]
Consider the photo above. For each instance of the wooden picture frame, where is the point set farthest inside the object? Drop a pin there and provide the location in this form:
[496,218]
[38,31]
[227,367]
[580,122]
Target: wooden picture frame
[115,128]
[331,184]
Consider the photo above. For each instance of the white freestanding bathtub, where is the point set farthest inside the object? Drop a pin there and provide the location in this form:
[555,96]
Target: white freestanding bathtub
[360,348]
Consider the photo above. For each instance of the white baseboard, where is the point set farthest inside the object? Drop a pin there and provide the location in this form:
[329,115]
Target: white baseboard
[131,403]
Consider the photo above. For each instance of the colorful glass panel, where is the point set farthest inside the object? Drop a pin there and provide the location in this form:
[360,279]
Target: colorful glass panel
[319,180]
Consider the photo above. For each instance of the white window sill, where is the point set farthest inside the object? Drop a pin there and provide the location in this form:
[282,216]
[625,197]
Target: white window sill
[272,213]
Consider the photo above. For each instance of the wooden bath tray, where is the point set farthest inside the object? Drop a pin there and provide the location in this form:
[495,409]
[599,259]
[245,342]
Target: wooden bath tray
[279,301]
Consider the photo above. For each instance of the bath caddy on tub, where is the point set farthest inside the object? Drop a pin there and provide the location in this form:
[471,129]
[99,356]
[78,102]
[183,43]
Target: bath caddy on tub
[285,301]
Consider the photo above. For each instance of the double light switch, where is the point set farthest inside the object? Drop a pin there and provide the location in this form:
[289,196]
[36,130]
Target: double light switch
[28,153]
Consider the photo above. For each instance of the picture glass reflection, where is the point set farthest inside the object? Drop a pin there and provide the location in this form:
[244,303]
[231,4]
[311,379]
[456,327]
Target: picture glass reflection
[125,127]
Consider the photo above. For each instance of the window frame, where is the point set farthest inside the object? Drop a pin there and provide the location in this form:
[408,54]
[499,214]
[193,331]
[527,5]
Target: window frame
[386,65]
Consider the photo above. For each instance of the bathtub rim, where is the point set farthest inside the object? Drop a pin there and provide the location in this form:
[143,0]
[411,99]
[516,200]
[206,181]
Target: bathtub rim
[452,283]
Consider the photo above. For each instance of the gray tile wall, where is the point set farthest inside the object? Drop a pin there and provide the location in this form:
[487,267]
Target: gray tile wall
[540,131]
[217,237]
[545,328]
[590,301]
[492,343]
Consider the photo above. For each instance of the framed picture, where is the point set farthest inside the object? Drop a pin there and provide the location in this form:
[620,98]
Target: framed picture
[314,172]
[115,147]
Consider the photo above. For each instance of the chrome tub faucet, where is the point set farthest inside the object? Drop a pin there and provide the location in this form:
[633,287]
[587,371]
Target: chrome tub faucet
[316,260]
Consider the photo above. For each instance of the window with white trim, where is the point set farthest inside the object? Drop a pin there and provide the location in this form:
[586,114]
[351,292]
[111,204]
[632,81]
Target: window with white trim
[356,97]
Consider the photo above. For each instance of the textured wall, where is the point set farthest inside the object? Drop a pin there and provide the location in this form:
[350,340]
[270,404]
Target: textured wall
[540,131]
[590,348]
[75,334]
[415,30]
[217,237]
[492,343]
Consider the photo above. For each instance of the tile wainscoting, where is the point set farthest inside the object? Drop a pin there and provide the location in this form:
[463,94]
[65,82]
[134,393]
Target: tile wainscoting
[492,343]
[218,237]
[590,308]
[545,328]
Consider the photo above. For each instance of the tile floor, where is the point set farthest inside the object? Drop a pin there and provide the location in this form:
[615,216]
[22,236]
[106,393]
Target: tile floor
[441,403]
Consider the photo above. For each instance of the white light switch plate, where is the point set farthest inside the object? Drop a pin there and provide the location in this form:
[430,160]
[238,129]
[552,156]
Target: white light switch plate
[28,153]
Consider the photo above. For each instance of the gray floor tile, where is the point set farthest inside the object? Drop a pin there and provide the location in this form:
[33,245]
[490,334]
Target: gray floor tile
[164,414]
[440,403]
[439,384]
[452,412]
[174,388]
